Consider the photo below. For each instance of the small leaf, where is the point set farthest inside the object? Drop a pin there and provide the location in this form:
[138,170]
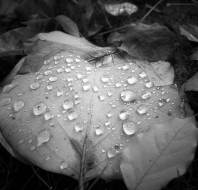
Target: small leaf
[192,83]
[121,8]
[68,25]
[156,157]
[190,32]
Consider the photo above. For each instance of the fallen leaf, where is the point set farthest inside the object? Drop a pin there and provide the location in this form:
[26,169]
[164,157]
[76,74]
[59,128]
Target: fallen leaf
[163,153]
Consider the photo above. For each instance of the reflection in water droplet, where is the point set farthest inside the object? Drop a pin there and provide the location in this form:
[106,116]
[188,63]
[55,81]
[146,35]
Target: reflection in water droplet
[18,105]
[146,95]
[142,75]
[34,86]
[8,88]
[49,87]
[125,67]
[132,80]
[101,97]
[104,79]
[59,93]
[99,132]
[53,79]
[63,165]
[123,115]
[78,128]
[5,101]
[67,105]
[69,60]
[111,153]
[43,137]
[142,109]
[129,128]
[72,116]
[95,88]
[127,96]
[39,109]
[149,84]
[48,116]
[117,85]
[86,87]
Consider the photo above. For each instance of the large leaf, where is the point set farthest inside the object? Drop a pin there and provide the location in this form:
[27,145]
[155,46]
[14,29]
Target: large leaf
[154,158]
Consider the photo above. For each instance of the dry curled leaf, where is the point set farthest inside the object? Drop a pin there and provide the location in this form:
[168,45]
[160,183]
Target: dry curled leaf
[121,8]
[159,155]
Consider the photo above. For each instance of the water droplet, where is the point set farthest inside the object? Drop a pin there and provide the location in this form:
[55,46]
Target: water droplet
[78,128]
[101,97]
[85,80]
[109,115]
[34,86]
[123,115]
[7,88]
[77,60]
[127,96]
[67,70]
[43,137]
[72,116]
[107,60]
[146,95]
[109,94]
[99,132]
[149,84]
[79,76]
[53,79]
[67,105]
[132,80]
[18,105]
[47,72]
[129,128]
[142,109]
[49,87]
[60,70]
[86,87]
[111,153]
[48,116]
[69,60]
[63,165]
[107,123]
[39,109]
[125,67]
[104,79]
[95,88]
[142,75]
[5,101]
[59,93]
[117,85]
[88,68]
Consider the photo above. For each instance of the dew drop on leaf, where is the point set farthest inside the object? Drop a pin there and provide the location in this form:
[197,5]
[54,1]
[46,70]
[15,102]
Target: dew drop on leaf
[39,109]
[129,128]
[67,105]
[132,80]
[99,131]
[78,128]
[5,101]
[43,137]
[34,86]
[127,96]
[63,165]
[142,109]
[18,105]
[123,115]
[146,95]
[72,116]
[149,84]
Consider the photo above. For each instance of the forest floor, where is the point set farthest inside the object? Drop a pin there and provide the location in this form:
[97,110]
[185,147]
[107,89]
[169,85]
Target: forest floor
[157,30]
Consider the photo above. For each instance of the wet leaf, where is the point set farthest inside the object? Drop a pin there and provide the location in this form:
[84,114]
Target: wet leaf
[68,25]
[161,154]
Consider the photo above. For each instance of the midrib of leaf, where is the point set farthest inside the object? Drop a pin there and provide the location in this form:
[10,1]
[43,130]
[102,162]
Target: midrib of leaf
[156,160]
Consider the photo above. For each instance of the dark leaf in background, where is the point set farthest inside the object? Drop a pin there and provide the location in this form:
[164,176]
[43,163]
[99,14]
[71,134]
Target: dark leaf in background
[68,25]
[8,6]
[148,42]
[190,32]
